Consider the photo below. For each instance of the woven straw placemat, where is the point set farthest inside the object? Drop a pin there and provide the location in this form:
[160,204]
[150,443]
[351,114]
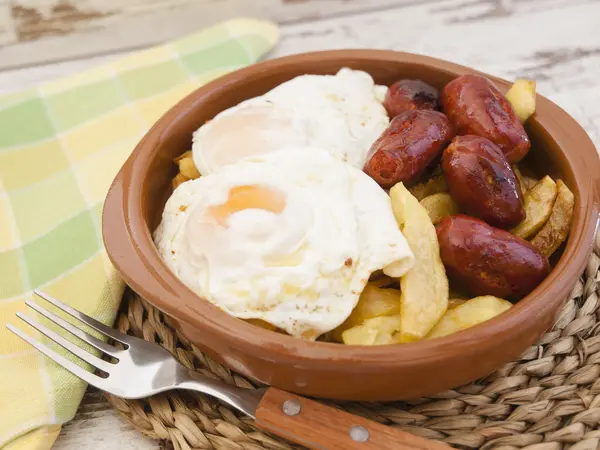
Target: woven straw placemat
[549,399]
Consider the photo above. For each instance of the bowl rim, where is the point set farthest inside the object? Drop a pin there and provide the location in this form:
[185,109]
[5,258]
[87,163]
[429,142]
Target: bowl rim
[125,231]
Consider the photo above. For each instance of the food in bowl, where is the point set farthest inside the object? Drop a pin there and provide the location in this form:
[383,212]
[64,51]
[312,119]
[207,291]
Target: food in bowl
[342,114]
[407,95]
[239,203]
[135,202]
[408,147]
[476,107]
[289,237]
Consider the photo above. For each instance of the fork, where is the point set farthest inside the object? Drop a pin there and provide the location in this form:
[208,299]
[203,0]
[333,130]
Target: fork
[141,369]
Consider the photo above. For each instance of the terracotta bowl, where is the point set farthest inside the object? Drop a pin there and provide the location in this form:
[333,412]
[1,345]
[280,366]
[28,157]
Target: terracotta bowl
[136,199]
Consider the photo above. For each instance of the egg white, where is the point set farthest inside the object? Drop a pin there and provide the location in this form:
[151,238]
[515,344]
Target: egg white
[341,114]
[298,261]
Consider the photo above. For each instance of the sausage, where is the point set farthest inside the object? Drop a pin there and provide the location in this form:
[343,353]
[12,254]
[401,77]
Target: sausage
[482,182]
[412,142]
[475,106]
[406,95]
[488,260]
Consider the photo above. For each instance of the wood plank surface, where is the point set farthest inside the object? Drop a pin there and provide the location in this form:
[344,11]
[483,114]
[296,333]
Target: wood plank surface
[43,31]
[555,42]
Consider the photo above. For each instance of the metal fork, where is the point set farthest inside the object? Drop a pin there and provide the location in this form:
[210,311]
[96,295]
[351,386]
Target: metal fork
[142,369]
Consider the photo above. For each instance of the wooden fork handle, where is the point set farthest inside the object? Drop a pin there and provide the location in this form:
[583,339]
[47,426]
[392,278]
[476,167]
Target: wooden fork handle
[316,426]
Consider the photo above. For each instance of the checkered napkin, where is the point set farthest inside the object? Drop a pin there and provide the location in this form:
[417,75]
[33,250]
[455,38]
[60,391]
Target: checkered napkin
[61,144]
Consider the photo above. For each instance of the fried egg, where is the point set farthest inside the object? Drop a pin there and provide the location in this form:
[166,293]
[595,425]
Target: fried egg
[287,237]
[342,114]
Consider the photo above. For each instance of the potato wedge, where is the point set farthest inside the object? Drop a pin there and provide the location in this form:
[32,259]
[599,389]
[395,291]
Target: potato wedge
[188,169]
[470,313]
[424,288]
[556,229]
[375,331]
[433,185]
[439,206]
[177,180]
[521,96]
[184,155]
[527,182]
[538,207]
[373,302]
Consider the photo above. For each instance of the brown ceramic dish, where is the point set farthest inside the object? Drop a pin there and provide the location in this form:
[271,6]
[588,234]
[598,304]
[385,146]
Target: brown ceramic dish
[137,196]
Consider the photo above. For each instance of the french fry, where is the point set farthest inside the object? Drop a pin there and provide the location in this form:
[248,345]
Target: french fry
[468,314]
[439,206]
[375,331]
[424,288]
[433,185]
[521,96]
[556,229]
[538,207]
[373,302]
[525,177]
[188,168]
[528,183]
[184,155]
[177,180]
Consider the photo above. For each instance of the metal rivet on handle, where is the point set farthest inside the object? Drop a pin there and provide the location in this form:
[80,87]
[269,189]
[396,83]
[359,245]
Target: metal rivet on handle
[359,434]
[291,407]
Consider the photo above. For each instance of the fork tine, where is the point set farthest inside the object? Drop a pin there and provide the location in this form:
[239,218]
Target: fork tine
[61,360]
[86,337]
[78,351]
[96,325]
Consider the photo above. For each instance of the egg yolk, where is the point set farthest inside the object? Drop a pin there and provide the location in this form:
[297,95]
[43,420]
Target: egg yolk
[247,197]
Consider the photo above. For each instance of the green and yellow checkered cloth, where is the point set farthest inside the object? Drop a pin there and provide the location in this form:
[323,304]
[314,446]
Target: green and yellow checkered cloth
[61,144]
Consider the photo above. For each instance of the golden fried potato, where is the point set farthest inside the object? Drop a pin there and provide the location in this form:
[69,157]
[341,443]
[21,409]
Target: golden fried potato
[558,225]
[454,302]
[526,182]
[439,206]
[424,288]
[188,169]
[529,183]
[177,180]
[434,185]
[470,313]
[521,96]
[184,155]
[373,302]
[375,331]
[538,207]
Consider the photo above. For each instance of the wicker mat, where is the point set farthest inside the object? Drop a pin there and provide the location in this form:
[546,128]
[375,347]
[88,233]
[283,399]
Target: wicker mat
[549,399]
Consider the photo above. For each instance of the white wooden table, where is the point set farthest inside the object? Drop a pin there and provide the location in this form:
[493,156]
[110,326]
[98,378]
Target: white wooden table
[556,42]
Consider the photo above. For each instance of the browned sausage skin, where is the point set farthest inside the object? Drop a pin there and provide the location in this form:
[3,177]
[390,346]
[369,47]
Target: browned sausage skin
[475,106]
[488,260]
[482,182]
[408,146]
[407,95]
